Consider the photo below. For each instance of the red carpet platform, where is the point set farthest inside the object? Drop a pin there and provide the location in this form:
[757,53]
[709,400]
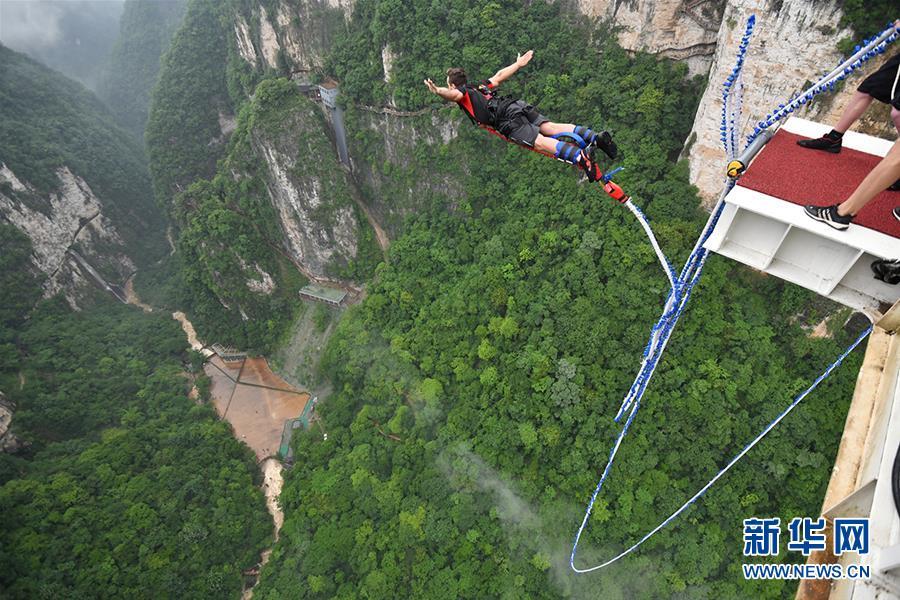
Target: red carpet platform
[802,176]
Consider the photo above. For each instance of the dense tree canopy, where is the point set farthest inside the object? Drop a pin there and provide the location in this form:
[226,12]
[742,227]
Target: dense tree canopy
[868,18]
[127,488]
[145,30]
[48,122]
[475,386]
[184,136]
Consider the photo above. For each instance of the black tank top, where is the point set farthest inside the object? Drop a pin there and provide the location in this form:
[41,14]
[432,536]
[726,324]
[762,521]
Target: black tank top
[480,102]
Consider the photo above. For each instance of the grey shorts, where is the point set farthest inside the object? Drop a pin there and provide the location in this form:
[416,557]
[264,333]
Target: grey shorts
[520,123]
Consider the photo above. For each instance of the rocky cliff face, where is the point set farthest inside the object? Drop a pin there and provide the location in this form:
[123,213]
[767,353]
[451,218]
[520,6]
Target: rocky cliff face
[8,441]
[297,35]
[297,32]
[679,29]
[308,188]
[70,218]
[72,181]
[794,42]
[310,192]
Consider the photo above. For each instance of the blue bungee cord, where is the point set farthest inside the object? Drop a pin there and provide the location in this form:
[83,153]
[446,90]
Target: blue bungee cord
[682,286]
[799,398]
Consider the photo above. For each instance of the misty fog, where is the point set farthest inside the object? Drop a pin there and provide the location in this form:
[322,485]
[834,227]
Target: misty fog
[71,36]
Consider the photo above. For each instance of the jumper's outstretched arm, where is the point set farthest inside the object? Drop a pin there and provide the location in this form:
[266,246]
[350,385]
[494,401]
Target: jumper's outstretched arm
[507,72]
[451,95]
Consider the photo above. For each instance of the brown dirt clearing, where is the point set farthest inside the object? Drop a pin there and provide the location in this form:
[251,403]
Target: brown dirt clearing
[257,414]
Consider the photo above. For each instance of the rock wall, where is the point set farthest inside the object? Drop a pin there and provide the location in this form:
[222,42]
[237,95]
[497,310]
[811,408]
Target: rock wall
[679,29]
[70,217]
[8,441]
[245,45]
[300,31]
[310,193]
[258,279]
[794,42]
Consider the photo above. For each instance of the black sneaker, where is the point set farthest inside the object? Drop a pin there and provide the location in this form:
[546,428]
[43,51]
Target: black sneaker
[895,187]
[604,141]
[887,271]
[896,212]
[828,215]
[823,143]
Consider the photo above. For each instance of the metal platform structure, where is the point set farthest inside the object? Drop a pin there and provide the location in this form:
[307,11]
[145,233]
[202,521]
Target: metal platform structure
[763,225]
[319,293]
[228,354]
[775,236]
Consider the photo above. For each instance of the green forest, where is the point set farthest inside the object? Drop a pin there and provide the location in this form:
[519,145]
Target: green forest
[472,387]
[497,342]
[127,488]
[48,122]
[146,28]
[190,92]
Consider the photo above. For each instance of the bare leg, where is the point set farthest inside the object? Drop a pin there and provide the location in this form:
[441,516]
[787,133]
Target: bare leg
[883,175]
[895,116]
[858,105]
[549,128]
[545,144]
[569,153]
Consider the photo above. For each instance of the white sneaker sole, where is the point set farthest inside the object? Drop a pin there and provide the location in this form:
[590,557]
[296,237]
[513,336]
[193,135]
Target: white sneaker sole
[832,224]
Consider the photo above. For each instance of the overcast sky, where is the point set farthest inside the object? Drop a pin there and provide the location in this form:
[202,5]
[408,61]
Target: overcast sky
[30,24]
[72,36]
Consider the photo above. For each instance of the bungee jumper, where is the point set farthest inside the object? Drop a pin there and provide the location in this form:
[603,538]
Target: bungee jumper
[521,123]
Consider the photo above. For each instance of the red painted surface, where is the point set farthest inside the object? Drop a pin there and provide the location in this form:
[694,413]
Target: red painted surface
[803,176]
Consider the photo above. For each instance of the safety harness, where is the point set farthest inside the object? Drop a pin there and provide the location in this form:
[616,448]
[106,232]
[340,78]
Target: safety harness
[481,103]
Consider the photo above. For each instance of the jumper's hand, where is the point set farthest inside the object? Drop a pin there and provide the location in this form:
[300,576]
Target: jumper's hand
[522,59]
[431,87]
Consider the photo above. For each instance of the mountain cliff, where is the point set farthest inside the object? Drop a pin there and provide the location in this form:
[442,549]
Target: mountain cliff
[70,180]
[794,42]
[145,31]
[683,30]
[191,111]
[278,211]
